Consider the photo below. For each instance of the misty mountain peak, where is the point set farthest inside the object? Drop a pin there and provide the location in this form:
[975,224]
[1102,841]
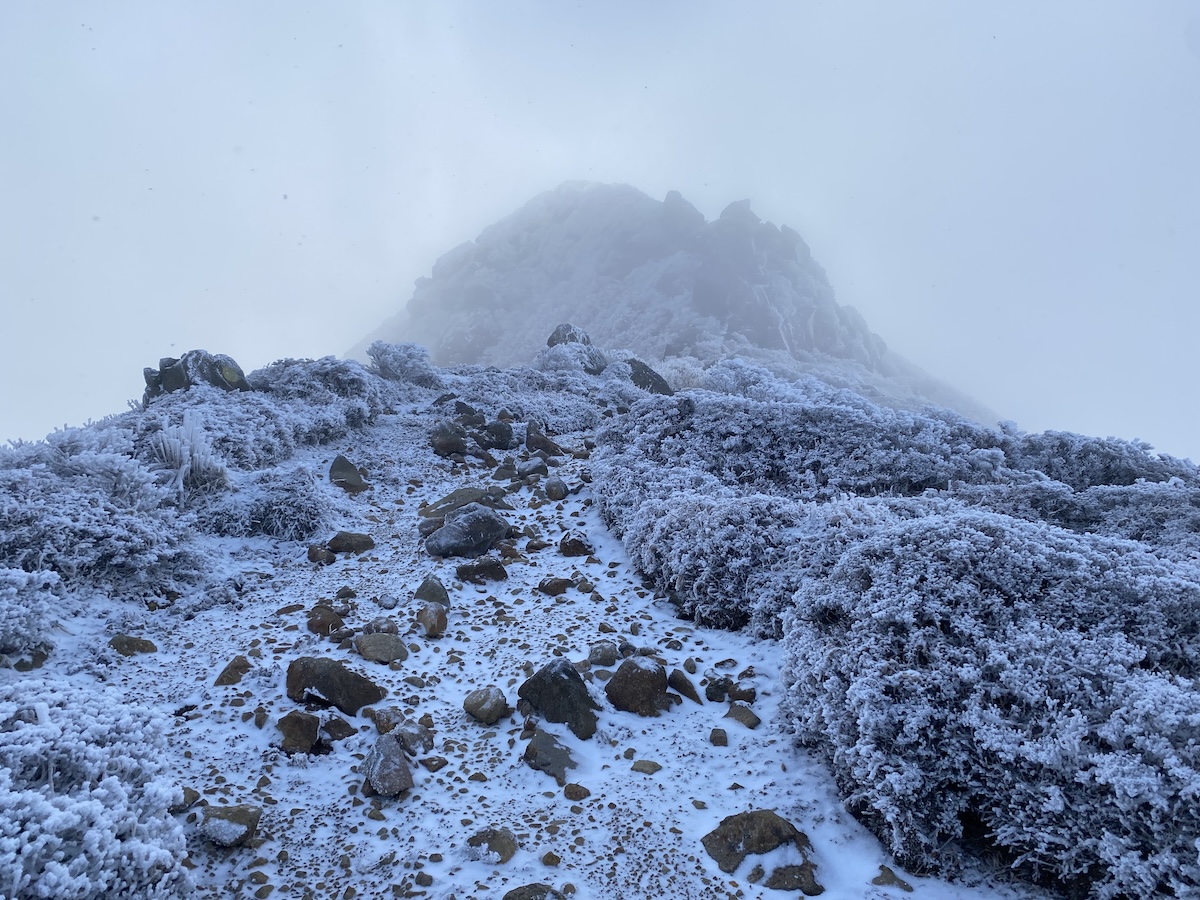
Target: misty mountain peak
[651,276]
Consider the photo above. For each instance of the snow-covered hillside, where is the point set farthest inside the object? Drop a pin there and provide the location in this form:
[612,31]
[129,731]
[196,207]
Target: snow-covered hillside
[655,278]
[554,630]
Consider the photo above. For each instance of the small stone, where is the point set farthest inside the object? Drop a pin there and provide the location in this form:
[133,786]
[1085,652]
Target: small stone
[299,732]
[888,878]
[487,705]
[381,647]
[551,859]
[338,729]
[535,891]
[345,475]
[553,587]
[432,590]
[500,841]
[482,570]
[431,618]
[189,799]
[323,620]
[231,826]
[574,543]
[743,714]
[678,681]
[350,542]
[646,766]
[794,878]
[127,645]
[603,653]
[718,738]
[318,553]
[546,754]
[576,792]
[386,768]
[556,489]
[233,672]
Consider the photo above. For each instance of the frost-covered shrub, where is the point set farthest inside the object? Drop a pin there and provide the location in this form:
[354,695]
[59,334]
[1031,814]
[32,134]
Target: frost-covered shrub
[968,669]
[1082,462]
[83,798]
[407,363]
[80,505]
[27,604]
[560,402]
[284,505]
[186,454]
[342,383]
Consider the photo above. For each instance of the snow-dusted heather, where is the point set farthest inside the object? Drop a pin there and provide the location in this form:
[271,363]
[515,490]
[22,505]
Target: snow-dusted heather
[989,636]
[84,797]
[987,651]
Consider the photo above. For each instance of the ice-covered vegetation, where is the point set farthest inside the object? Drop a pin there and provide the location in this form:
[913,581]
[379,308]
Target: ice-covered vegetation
[990,636]
[83,798]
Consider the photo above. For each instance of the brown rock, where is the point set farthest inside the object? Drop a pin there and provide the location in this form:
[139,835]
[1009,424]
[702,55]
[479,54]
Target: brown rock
[795,878]
[756,831]
[233,672]
[534,891]
[718,738]
[326,680]
[640,686]
[500,841]
[127,645]
[575,544]
[299,732]
[381,647]
[323,620]
[319,553]
[345,475]
[553,587]
[350,542]
[431,617]
[487,705]
[231,826]
[646,766]
[576,792]
[888,878]
[484,569]
[678,681]
[743,714]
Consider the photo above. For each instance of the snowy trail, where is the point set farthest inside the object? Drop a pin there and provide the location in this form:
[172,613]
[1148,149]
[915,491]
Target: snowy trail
[633,835]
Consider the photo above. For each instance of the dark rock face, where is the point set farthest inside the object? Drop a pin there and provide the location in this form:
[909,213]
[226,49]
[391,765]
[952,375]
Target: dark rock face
[546,754]
[233,672]
[681,684]
[448,439]
[345,475]
[535,891]
[639,686]
[328,681]
[647,379]
[558,693]
[568,334]
[482,570]
[471,530]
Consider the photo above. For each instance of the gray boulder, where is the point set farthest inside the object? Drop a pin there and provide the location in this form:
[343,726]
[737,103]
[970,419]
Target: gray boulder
[487,705]
[386,767]
[325,680]
[471,530]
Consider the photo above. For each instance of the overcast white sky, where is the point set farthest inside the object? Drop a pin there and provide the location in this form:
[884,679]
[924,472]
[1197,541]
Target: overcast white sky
[1009,192]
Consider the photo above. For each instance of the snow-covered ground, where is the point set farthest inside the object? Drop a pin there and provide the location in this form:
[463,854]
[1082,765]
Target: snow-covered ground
[633,835]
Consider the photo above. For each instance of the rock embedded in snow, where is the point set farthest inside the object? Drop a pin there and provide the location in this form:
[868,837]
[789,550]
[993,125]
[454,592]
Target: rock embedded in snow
[324,620]
[350,542]
[432,590]
[233,672]
[646,766]
[603,653]
[558,693]
[546,754]
[639,686]
[556,489]
[678,681]
[231,826]
[431,618]
[469,531]
[300,732]
[718,737]
[320,554]
[553,587]
[500,841]
[535,891]
[888,878]
[381,647]
[574,543]
[487,705]
[647,379]
[128,645]
[448,439]
[482,570]
[536,440]
[743,714]
[386,768]
[346,475]
[753,832]
[329,681]
[533,466]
